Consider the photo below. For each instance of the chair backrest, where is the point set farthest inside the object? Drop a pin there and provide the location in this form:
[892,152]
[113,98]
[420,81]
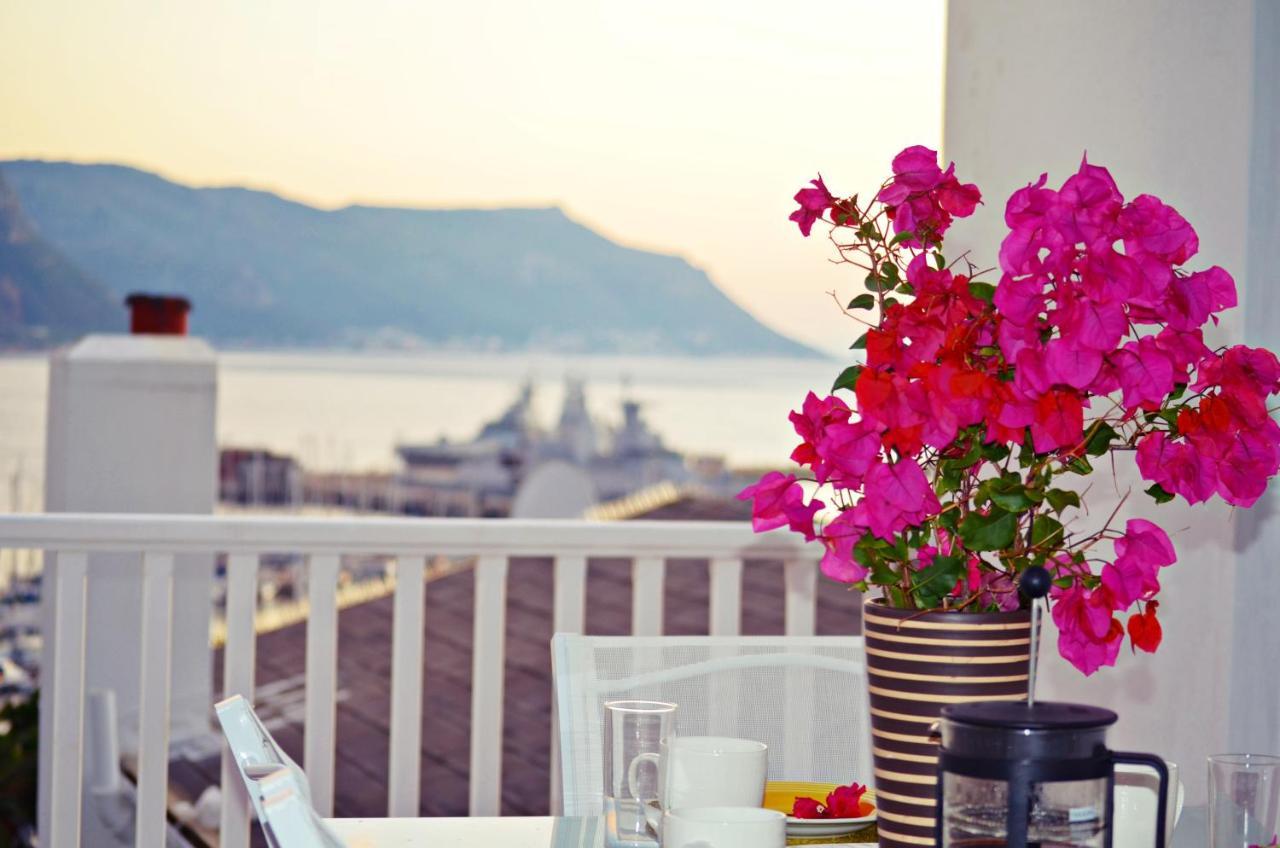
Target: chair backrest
[804,697]
[269,774]
[288,819]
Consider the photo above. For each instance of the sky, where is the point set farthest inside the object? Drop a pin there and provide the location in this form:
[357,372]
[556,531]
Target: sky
[682,126]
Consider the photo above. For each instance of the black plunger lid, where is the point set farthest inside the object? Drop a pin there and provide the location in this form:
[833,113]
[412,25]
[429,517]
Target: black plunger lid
[1019,715]
[1015,730]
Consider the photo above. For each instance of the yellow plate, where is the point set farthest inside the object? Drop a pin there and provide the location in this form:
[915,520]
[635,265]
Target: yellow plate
[781,795]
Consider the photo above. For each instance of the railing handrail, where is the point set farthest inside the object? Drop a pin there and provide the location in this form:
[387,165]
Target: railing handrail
[363,535]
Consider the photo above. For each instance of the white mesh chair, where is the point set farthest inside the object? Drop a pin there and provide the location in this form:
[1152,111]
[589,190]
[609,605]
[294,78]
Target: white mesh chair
[804,697]
[276,785]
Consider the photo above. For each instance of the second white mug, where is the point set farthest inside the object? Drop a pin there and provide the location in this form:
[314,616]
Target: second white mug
[707,771]
[1136,797]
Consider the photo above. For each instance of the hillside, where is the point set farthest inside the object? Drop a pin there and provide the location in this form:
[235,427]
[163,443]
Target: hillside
[262,270]
[44,298]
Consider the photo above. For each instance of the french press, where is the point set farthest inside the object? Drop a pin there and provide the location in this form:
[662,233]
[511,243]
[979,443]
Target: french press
[1027,774]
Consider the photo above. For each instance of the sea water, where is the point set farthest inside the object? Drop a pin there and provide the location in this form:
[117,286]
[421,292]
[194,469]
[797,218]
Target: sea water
[348,411]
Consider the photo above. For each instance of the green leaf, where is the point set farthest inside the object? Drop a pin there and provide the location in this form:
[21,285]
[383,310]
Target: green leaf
[1015,498]
[906,235]
[860,344]
[1046,529]
[983,291]
[890,301]
[876,283]
[1080,465]
[863,301]
[1160,493]
[1100,441]
[936,580]
[1060,499]
[848,377]
[996,451]
[907,289]
[991,532]
[890,272]
[940,261]
[1179,390]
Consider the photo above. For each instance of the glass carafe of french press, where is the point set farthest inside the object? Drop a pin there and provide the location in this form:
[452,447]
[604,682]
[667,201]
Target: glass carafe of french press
[1036,775]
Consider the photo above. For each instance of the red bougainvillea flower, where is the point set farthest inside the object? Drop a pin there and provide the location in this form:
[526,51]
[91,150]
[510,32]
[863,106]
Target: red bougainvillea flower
[844,802]
[1144,629]
[814,203]
[778,500]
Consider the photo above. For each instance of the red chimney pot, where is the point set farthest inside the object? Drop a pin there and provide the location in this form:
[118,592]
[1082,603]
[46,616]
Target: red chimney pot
[158,314]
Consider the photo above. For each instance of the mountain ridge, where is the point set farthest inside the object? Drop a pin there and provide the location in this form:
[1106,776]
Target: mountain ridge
[266,270]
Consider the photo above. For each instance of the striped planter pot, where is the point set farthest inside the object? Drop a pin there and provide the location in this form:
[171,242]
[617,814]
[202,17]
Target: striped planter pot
[917,663]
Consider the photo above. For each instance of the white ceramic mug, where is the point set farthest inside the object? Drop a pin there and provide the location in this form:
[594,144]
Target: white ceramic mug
[1136,799]
[724,827]
[707,771]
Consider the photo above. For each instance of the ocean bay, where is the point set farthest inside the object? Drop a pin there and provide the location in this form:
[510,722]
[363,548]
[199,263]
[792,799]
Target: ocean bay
[347,411]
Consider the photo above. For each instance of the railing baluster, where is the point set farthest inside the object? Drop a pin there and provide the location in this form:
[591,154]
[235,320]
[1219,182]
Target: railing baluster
[153,699]
[568,616]
[726,596]
[63,665]
[488,650]
[322,679]
[570,593]
[647,576]
[237,679]
[801,577]
[405,766]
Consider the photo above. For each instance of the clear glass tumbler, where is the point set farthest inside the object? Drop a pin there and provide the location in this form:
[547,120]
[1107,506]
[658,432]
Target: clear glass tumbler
[632,728]
[1244,800]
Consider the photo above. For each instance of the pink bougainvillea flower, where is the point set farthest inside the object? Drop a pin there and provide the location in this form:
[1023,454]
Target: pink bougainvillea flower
[838,540]
[1145,373]
[811,423]
[1071,365]
[1140,554]
[922,199]
[814,203]
[1177,467]
[768,500]
[844,802]
[1151,228]
[846,453]
[1089,635]
[903,498]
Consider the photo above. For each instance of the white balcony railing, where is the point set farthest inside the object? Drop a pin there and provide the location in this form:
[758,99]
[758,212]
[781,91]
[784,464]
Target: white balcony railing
[157,539]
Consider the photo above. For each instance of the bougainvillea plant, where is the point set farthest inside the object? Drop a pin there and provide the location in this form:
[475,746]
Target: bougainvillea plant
[935,466]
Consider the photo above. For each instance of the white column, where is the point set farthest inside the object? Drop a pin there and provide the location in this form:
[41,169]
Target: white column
[1176,99]
[131,429]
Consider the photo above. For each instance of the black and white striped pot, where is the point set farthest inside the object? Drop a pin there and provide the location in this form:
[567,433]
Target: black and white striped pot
[917,663]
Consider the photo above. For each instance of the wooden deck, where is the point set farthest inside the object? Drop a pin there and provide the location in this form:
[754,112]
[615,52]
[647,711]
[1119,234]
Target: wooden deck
[364,661]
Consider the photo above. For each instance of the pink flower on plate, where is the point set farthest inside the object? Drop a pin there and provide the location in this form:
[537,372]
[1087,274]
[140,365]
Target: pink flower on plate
[814,202]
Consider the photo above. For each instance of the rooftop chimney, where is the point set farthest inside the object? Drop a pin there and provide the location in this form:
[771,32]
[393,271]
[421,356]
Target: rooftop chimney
[157,314]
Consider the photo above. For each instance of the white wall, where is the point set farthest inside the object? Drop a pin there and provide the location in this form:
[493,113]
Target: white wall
[1164,95]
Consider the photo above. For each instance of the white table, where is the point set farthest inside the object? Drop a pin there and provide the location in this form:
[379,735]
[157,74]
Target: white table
[550,832]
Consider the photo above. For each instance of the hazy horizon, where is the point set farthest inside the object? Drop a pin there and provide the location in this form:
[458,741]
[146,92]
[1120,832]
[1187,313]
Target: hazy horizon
[674,129]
